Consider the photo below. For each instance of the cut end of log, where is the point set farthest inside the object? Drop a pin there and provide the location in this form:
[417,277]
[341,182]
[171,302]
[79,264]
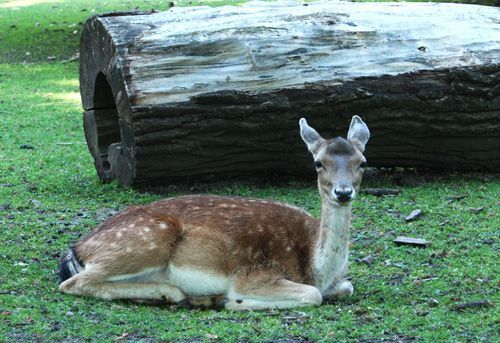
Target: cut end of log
[106,136]
[101,130]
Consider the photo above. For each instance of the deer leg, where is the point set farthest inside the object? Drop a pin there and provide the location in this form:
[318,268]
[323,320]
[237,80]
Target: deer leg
[343,289]
[94,284]
[261,294]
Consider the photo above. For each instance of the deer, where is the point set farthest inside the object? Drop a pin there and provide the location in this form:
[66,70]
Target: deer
[233,252]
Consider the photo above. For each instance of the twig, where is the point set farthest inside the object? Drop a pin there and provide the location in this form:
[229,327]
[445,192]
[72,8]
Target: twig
[401,240]
[473,304]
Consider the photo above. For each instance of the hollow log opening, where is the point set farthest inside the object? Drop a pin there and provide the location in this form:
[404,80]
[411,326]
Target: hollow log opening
[103,95]
[101,125]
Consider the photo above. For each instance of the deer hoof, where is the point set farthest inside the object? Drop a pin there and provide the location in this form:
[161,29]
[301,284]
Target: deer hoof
[344,289]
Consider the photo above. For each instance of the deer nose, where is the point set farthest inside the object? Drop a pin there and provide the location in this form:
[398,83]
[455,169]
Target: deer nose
[343,194]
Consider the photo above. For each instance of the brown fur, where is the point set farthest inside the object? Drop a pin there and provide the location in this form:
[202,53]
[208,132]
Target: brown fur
[116,240]
[210,232]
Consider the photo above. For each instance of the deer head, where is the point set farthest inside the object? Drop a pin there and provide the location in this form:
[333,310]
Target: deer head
[339,162]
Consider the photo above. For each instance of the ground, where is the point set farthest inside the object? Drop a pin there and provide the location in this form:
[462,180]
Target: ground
[50,196]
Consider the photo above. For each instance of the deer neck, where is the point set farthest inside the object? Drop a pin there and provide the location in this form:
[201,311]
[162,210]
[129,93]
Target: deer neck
[331,250]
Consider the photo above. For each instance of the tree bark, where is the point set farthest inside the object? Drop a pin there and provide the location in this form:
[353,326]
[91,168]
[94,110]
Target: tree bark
[204,93]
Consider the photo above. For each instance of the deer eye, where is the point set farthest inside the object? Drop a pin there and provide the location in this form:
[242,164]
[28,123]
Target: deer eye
[318,164]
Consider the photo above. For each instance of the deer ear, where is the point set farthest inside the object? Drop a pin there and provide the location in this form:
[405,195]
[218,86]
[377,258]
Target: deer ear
[309,135]
[358,133]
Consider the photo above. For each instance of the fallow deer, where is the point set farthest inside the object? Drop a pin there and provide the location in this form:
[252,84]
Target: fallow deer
[254,254]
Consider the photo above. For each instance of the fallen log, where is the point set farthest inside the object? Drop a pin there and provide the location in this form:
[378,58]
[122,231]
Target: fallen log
[199,93]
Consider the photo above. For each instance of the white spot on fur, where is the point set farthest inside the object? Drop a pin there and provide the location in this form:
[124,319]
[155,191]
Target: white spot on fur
[152,246]
[151,220]
[288,248]
[147,229]
[129,249]
[163,226]
[119,235]
[131,225]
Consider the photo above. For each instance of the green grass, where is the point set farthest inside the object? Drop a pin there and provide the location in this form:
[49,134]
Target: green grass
[50,196]
[50,30]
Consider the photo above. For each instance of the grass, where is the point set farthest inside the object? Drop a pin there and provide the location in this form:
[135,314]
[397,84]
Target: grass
[49,31]
[50,196]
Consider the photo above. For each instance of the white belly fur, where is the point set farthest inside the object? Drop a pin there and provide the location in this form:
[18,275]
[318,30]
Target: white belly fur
[197,282]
